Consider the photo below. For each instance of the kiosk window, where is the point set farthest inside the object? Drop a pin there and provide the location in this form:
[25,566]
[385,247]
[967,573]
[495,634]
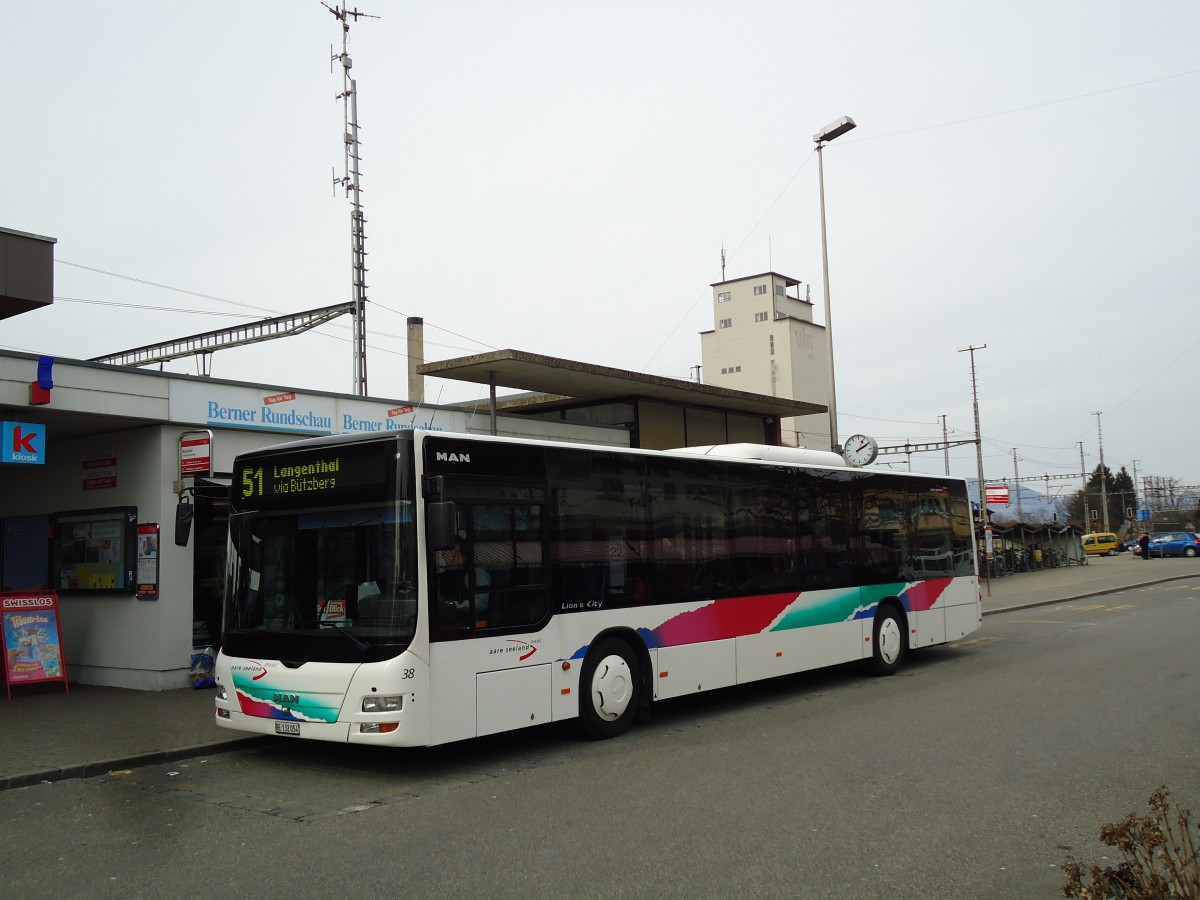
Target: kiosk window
[94,550]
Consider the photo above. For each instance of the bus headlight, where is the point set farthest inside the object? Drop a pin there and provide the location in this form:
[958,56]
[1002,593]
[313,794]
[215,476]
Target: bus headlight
[382,704]
[221,692]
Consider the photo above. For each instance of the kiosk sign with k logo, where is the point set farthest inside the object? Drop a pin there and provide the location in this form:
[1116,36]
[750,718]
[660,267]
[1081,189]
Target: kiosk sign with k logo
[23,442]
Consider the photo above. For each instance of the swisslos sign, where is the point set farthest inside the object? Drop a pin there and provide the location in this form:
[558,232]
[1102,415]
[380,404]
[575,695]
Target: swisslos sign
[23,442]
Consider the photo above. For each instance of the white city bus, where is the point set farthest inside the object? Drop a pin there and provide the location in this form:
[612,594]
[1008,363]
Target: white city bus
[416,588]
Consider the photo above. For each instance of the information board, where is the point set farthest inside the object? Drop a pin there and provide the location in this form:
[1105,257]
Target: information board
[147,561]
[32,639]
[997,494]
[94,549]
[195,453]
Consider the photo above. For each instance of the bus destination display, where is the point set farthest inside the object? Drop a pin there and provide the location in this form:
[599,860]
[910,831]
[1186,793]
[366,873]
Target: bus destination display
[344,474]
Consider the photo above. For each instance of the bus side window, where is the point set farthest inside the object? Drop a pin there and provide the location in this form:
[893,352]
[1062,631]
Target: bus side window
[823,527]
[763,529]
[452,588]
[496,577]
[508,552]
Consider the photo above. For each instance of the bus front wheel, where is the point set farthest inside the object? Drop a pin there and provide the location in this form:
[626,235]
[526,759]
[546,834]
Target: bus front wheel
[887,652]
[612,682]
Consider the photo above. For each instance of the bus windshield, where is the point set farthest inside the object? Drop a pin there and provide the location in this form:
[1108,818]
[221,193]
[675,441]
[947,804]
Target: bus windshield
[330,584]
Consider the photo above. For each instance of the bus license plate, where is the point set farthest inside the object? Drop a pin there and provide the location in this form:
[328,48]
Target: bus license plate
[292,728]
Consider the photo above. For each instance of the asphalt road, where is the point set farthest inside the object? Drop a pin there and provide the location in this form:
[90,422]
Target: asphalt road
[972,773]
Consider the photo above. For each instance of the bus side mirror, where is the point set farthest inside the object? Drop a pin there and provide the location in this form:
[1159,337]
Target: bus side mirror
[441,521]
[183,523]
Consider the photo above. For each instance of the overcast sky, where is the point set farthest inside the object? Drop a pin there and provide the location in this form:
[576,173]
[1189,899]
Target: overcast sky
[560,177]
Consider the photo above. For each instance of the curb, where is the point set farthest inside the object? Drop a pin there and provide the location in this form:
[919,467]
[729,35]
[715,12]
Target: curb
[93,769]
[1033,603]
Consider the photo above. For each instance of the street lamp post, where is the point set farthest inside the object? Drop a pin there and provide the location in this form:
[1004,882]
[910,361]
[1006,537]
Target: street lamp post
[833,130]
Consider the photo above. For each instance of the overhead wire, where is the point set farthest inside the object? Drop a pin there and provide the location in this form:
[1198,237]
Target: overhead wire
[778,197]
[749,233]
[252,306]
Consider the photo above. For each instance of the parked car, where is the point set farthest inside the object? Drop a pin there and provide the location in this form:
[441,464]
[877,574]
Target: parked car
[1100,544]
[1174,543]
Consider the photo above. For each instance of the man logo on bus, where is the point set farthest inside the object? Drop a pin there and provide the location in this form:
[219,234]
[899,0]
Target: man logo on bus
[453,457]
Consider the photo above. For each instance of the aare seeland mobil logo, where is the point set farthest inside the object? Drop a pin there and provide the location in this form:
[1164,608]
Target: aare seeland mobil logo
[524,648]
[251,667]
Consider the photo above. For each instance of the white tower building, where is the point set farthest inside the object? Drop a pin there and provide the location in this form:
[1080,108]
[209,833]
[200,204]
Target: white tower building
[765,341]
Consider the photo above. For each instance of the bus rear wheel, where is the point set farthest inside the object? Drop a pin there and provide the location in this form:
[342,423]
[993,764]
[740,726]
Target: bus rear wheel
[887,652]
[611,684]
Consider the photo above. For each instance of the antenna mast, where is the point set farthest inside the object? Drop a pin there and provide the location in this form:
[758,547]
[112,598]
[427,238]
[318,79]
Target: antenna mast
[350,183]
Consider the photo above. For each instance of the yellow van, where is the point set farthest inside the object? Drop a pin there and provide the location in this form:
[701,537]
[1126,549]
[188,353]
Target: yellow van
[1100,544]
